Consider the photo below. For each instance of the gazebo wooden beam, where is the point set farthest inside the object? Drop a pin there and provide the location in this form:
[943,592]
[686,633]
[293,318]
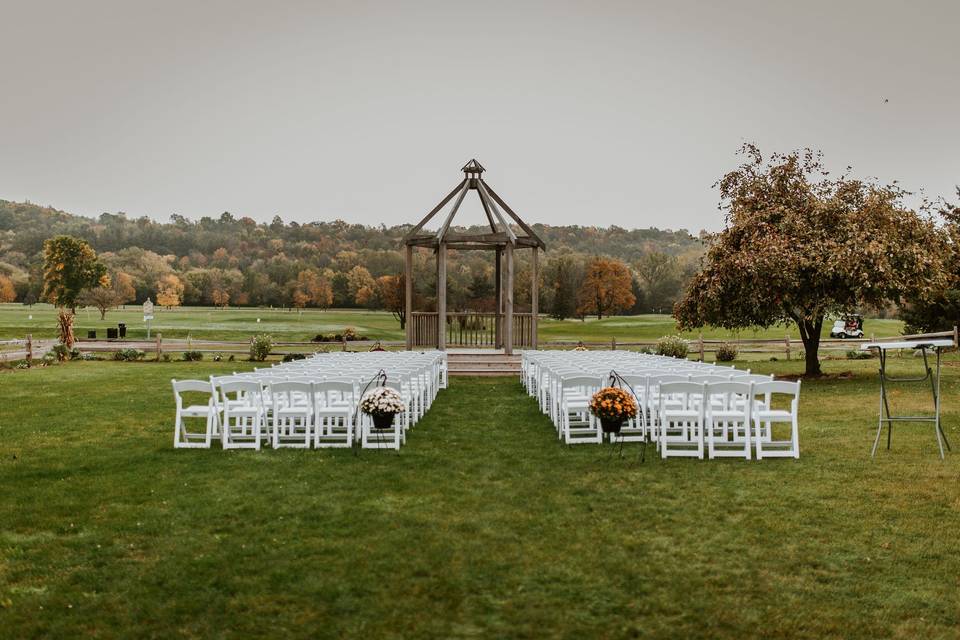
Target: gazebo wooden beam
[482,190]
[437,208]
[523,225]
[453,212]
[455,240]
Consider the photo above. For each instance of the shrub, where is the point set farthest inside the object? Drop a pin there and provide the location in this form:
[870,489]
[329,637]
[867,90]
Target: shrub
[89,356]
[673,346]
[727,352]
[192,356]
[59,352]
[128,355]
[856,354]
[218,357]
[290,357]
[166,357]
[260,347]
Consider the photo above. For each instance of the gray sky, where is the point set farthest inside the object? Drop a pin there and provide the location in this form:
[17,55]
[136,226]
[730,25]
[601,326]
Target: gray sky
[582,112]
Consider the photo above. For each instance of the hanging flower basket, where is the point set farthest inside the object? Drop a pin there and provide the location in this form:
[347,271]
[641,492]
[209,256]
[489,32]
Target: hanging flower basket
[613,406]
[382,404]
[383,421]
[611,426]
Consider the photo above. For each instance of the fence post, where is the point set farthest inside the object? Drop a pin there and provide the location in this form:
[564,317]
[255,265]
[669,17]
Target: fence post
[29,348]
[956,335]
[344,338]
[159,347]
[703,356]
[786,342]
[613,343]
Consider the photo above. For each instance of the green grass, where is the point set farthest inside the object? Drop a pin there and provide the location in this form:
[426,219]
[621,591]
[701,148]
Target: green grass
[202,322]
[16,321]
[483,526]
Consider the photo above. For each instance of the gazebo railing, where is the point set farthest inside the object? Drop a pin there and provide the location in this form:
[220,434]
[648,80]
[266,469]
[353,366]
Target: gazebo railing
[471,329]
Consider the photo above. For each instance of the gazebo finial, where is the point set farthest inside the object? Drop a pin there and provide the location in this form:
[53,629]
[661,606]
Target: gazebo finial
[473,169]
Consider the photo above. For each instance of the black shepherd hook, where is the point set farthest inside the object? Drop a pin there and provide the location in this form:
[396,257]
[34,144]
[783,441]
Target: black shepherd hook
[617,381]
[381,379]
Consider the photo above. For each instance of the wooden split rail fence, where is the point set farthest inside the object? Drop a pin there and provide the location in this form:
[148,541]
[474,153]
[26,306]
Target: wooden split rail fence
[699,347]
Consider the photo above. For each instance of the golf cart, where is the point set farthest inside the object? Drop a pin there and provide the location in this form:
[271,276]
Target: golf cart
[849,326]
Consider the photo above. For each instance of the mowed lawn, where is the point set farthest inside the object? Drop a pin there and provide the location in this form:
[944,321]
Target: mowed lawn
[16,321]
[483,526]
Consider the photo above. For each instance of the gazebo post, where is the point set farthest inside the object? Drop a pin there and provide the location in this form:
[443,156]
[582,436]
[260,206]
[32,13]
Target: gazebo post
[508,304]
[534,296]
[442,296]
[498,296]
[408,294]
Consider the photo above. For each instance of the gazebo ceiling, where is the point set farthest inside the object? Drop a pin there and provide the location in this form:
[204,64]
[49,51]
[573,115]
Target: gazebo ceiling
[501,234]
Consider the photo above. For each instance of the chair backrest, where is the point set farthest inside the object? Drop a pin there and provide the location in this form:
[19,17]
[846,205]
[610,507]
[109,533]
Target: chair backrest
[731,387]
[581,382]
[709,378]
[777,386]
[684,389]
[187,386]
[291,386]
[250,387]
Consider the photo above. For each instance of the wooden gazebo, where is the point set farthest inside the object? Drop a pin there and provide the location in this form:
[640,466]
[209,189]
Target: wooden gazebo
[502,329]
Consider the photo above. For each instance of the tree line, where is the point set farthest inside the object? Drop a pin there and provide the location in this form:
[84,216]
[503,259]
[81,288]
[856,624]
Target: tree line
[230,261]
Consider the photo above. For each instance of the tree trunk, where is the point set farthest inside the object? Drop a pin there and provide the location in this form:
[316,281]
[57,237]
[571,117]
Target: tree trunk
[103,314]
[810,335]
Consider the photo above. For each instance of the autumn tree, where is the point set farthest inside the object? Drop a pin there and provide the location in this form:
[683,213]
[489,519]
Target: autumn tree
[563,276]
[941,311]
[659,274]
[169,291]
[800,245]
[361,284]
[70,265]
[115,291]
[606,289]
[312,288]
[392,292]
[220,297]
[7,291]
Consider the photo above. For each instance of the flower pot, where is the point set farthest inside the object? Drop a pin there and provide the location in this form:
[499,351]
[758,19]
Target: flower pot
[610,425]
[383,420]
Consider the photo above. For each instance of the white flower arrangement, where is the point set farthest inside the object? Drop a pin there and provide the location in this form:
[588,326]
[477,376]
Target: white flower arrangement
[382,401]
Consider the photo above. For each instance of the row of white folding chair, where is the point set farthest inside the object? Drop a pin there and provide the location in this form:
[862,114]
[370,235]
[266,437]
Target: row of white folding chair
[733,426]
[568,394]
[236,410]
[282,410]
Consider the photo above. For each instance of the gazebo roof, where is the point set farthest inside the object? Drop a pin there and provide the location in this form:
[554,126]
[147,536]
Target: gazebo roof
[500,232]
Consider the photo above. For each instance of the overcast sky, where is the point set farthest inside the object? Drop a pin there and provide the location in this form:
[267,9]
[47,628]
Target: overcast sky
[582,112]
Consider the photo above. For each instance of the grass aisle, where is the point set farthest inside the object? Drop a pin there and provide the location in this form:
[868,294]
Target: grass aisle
[483,526]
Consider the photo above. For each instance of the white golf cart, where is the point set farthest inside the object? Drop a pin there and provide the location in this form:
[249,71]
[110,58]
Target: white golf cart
[849,326]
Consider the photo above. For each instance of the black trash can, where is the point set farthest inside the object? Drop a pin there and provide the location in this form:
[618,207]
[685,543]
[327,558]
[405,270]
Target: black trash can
[123,329]
[91,335]
[111,333]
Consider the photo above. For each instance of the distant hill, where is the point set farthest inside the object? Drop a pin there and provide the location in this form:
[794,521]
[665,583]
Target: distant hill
[258,263]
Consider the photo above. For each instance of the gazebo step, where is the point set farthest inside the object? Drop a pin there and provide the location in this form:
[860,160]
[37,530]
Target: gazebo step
[480,363]
[484,372]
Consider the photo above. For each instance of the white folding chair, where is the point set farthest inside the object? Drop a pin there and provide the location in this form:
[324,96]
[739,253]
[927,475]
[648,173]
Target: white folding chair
[243,413]
[334,412]
[729,407]
[183,438]
[578,425]
[765,417]
[291,414]
[682,414]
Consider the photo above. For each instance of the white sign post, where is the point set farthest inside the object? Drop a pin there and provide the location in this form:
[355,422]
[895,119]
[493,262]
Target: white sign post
[148,315]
